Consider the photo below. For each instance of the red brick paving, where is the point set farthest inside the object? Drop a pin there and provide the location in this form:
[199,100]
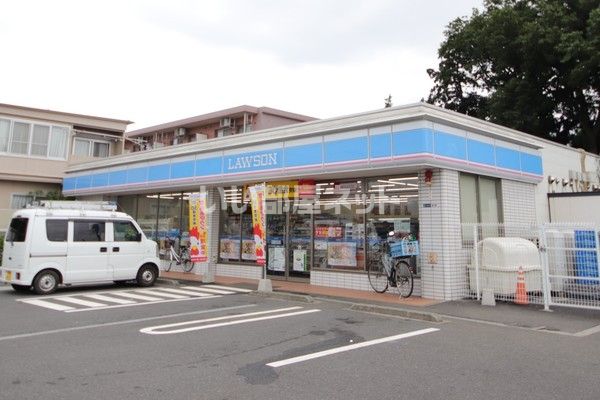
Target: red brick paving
[305,288]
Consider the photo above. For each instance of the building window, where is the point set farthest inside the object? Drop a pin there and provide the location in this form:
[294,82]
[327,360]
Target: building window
[19,201]
[39,140]
[91,148]
[100,149]
[24,138]
[59,140]
[4,134]
[480,204]
[20,138]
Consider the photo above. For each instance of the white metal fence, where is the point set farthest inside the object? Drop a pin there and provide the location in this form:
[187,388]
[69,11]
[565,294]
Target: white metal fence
[549,264]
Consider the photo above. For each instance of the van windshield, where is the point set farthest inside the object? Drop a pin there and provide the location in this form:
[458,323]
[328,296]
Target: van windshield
[17,230]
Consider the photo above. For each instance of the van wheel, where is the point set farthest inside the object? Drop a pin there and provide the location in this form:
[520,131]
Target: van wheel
[147,275]
[21,288]
[45,282]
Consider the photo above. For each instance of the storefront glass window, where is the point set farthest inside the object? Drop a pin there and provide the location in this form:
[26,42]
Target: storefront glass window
[324,228]
[128,204]
[230,239]
[479,203]
[339,226]
[147,215]
[248,253]
[169,220]
[393,213]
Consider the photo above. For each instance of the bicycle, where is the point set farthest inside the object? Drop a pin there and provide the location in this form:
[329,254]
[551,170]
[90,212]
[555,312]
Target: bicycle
[178,258]
[387,270]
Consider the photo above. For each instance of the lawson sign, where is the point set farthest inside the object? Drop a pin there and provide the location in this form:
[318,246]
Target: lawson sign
[259,160]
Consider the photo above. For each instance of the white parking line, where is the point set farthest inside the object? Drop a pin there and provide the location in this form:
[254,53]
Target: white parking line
[162,294]
[47,304]
[80,302]
[207,290]
[108,298]
[336,350]
[157,330]
[136,296]
[131,321]
[185,292]
[114,299]
[233,289]
[141,304]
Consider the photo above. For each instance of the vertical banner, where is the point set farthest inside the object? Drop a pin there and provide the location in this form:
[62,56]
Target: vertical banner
[198,228]
[258,195]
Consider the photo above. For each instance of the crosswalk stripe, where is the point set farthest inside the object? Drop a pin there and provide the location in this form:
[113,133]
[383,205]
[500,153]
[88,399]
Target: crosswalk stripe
[207,290]
[109,299]
[157,293]
[188,292]
[80,302]
[233,289]
[47,304]
[136,296]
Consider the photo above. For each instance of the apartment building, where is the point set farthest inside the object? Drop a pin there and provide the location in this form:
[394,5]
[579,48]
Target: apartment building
[37,146]
[227,122]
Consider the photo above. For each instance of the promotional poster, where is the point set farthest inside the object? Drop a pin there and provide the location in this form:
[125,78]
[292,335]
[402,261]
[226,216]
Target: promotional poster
[257,201]
[198,227]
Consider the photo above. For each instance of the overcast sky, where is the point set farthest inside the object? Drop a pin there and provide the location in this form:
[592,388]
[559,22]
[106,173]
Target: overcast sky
[157,61]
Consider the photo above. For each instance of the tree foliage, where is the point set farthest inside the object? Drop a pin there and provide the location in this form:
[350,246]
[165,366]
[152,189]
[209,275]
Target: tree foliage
[530,65]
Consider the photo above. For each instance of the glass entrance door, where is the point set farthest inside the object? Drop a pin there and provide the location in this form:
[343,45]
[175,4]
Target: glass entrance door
[288,242]
[276,240]
[299,245]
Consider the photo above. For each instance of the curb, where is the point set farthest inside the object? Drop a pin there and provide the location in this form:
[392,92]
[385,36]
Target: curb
[285,296]
[400,312]
[372,308]
[168,282]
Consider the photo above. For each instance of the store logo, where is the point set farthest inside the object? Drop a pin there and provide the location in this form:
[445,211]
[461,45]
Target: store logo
[255,161]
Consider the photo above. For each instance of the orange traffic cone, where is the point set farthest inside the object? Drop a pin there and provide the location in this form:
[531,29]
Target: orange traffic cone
[521,294]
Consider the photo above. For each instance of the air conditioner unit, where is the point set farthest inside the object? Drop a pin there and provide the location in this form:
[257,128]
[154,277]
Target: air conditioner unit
[224,132]
[180,132]
[227,122]
[200,136]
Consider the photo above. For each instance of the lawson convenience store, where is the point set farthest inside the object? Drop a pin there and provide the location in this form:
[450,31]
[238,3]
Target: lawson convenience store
[336,187]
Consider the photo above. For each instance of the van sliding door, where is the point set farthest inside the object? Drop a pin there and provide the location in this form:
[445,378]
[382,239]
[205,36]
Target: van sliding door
[87,253]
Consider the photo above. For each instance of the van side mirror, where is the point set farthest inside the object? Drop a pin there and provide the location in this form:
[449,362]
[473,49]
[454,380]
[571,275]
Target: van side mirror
[138,237]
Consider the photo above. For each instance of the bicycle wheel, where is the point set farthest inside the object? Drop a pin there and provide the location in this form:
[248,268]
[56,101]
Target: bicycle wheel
[377,277]
[186,263]
[404,279]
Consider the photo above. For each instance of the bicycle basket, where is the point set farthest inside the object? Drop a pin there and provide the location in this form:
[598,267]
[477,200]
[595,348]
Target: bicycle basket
[404,248]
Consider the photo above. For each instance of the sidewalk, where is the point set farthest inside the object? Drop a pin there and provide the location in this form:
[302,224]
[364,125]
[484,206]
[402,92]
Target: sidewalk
[307,289]
[567,321]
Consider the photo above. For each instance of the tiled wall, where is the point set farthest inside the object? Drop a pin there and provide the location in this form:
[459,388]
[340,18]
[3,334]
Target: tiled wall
[443,264]
[240,271]
[349,281]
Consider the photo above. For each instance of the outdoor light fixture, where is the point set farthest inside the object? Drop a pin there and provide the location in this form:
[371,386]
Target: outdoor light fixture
[428,176]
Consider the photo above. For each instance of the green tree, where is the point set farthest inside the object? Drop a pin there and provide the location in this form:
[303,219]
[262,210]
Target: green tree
[531,65]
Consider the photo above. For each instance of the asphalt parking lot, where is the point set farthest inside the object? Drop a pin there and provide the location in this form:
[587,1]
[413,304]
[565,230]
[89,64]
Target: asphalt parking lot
[222,343]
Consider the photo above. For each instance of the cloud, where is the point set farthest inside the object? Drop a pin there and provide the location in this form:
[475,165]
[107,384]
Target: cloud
[152,62]
[311,31]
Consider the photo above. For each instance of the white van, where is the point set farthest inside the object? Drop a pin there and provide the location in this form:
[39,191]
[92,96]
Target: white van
[65,242]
